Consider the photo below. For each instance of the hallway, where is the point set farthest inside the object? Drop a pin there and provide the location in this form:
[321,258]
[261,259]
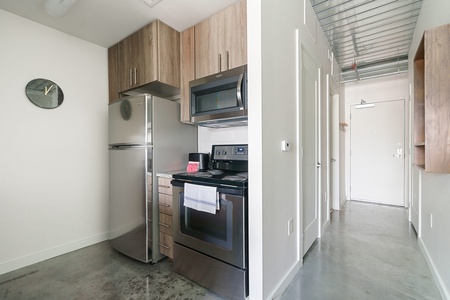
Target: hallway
[368,252]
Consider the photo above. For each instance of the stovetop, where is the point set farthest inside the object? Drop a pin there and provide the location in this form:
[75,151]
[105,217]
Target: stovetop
[237,179]
[229,166]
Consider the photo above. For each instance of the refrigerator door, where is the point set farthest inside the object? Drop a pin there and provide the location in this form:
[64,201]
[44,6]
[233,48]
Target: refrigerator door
[129,209]
[130,121]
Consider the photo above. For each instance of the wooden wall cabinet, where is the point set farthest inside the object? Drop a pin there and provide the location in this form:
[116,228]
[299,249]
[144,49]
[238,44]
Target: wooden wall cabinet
[216,44]
[165,216]
[221,41]
[187,53]
[146,61]
[431,101]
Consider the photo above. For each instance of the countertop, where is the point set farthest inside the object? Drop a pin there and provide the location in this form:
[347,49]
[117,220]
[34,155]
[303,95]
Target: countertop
[168,174]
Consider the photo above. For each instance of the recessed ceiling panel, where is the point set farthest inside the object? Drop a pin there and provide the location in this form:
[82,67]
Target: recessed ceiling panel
[368,37]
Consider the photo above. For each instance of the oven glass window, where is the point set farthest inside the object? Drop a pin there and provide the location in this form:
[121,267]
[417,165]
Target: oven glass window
[216,228]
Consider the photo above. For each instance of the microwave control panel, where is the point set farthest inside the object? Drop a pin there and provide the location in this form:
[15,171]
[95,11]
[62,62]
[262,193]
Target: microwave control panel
[230,152]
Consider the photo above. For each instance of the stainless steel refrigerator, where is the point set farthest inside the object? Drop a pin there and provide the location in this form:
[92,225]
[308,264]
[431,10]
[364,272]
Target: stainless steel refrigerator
[145,137]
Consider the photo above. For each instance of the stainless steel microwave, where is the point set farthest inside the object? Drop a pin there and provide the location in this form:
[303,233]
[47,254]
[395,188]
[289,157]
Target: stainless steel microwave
[220,100]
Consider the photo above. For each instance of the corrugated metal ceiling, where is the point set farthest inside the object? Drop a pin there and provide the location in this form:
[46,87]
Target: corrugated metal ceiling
[369,38]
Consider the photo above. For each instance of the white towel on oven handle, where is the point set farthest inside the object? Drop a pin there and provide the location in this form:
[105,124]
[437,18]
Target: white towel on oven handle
[201,198]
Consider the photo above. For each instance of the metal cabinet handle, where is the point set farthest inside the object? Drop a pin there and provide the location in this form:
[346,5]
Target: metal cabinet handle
[135,76]
[164,246]
[164,204]
[164,224]
[220,62]
[333,160]
[131,76]
[165,186]
[228,60]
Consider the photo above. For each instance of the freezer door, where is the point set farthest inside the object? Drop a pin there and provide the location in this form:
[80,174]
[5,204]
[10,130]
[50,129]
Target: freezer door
[130,121]
[128,199]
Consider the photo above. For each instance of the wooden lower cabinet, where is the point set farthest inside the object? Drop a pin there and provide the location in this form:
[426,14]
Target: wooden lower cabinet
[165,216]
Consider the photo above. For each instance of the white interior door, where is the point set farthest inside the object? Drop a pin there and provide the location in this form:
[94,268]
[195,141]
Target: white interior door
[334,152]
[310,142]
[377,136]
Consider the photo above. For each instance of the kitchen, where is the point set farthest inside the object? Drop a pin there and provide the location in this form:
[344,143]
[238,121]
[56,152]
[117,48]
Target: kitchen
[64,200]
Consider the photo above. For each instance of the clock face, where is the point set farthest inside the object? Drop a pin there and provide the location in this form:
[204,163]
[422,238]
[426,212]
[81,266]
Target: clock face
[44,93]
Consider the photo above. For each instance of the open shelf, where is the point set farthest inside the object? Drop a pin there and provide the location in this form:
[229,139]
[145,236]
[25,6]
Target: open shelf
[431,105]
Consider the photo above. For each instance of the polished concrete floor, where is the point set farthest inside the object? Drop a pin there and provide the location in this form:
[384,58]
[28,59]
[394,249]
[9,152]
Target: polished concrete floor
[368,252]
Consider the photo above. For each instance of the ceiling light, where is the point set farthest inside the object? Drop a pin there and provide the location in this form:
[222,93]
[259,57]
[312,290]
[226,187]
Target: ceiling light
[364,104]
[58,8]
[151,3]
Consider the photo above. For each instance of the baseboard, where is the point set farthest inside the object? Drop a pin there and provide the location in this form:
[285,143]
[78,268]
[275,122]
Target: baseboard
[33,258]
[445,294]
[342,203]
[286,281]
[325,226]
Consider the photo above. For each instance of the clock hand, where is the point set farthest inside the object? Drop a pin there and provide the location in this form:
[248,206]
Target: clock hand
[47,90]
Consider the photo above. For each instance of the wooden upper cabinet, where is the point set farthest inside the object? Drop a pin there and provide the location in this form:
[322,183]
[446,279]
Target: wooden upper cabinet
[131,63]
[113,72]
[431,104]
[146,61]
[187,70]
[221,41]
[162,55]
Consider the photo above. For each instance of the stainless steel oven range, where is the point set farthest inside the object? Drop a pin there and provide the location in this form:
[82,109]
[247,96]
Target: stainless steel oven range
[210,214]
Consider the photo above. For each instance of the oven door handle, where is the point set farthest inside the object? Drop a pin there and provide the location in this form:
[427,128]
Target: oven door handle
[239,92]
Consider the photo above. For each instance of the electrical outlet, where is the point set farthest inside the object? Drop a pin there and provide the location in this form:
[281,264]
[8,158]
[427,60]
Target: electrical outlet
[431,220]
[290,226]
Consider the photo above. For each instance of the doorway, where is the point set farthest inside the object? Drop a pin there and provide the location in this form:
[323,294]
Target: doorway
[377,139]
[311,149]
[332,145]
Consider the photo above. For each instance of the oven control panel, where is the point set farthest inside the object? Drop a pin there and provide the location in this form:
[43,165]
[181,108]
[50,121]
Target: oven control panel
[230,152]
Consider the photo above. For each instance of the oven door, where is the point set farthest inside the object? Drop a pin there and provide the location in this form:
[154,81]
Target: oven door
[221,235]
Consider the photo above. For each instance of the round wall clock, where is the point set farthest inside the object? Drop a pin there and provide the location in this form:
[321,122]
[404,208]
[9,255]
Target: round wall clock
[44,93]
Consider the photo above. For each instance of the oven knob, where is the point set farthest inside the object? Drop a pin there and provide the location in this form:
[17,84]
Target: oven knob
[218,152]
[224,152]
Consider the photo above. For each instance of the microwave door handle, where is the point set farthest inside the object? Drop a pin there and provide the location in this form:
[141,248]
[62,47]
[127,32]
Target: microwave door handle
[239,92]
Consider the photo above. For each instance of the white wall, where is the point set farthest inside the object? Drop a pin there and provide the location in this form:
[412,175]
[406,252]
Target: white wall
[217,136]
[273,116]
[391,87]
[53,162]
[435,242]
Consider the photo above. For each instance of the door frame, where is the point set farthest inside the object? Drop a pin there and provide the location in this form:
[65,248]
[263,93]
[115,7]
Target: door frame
[318,184]
[405,147]
[332,95]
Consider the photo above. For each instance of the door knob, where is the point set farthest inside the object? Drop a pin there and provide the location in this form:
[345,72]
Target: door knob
[319,165]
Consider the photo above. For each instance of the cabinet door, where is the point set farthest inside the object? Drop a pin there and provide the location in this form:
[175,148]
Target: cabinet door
[207,47]
[168,55]
[234,20]
[150,51]
[187,52]
[221,40]
[131,62]
[113,72]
